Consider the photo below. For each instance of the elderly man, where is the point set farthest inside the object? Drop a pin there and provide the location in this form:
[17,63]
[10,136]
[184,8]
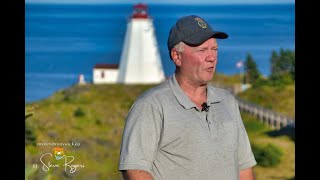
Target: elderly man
[184,128]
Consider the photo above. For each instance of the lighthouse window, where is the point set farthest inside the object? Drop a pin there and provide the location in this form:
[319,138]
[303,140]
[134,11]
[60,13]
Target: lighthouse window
[140,11]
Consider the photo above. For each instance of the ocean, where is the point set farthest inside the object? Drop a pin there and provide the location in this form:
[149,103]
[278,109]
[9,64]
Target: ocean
[63,41]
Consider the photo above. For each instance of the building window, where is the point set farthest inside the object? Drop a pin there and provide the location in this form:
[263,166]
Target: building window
[102,74]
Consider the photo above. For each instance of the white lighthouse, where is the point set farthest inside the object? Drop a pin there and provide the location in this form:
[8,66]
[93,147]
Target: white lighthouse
[140,61]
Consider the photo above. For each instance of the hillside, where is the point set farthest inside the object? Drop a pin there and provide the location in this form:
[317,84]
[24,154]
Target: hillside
[279,99]
[87,122]
[91,116]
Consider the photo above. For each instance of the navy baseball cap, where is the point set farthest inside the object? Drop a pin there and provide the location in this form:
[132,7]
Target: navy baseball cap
[192,30]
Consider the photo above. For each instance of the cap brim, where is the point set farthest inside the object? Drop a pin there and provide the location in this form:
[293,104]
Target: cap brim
[200,38]
[220,35]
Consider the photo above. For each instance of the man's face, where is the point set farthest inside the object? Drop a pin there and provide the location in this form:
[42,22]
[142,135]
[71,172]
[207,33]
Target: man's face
[198,63]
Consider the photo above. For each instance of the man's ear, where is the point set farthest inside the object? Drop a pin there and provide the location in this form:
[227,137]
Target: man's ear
[176,57]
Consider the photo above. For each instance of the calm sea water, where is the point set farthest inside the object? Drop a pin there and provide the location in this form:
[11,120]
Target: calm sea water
[63,41]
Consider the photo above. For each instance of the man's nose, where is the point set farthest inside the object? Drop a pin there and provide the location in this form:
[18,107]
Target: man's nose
[211,55]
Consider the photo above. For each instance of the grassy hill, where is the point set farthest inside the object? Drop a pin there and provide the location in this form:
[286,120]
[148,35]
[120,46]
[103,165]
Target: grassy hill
[279,99]
[87,122]
[262,135]
[92,116]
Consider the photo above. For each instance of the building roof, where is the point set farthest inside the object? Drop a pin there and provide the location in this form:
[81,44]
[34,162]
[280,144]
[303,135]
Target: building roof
[140,11]
[106,66]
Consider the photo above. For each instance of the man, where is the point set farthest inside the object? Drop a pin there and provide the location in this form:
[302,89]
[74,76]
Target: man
[183,128]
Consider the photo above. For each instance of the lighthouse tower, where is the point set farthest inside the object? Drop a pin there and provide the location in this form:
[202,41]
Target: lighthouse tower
[140,61]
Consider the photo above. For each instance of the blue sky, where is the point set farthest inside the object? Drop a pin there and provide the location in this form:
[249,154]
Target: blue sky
[164,1]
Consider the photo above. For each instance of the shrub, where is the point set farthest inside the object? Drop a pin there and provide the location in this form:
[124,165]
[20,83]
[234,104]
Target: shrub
[79,112]
[98,122]
[267,156]
[30,137]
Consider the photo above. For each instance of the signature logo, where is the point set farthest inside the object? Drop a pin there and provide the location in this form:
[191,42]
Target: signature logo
[58,153]
[58,159]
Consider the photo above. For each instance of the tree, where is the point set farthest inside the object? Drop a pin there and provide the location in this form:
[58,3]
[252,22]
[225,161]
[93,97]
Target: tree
[283,66]
[252,72]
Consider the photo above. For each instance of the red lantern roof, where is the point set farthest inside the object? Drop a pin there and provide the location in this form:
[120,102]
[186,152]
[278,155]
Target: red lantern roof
[140,11]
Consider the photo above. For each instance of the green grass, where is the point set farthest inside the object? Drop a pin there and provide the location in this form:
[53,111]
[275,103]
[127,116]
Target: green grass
[227,80]
[279,99]
[259,134]
[29,170]
[92,116]
[98,131]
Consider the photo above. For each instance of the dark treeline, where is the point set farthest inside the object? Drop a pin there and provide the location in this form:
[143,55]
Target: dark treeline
[282,70]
